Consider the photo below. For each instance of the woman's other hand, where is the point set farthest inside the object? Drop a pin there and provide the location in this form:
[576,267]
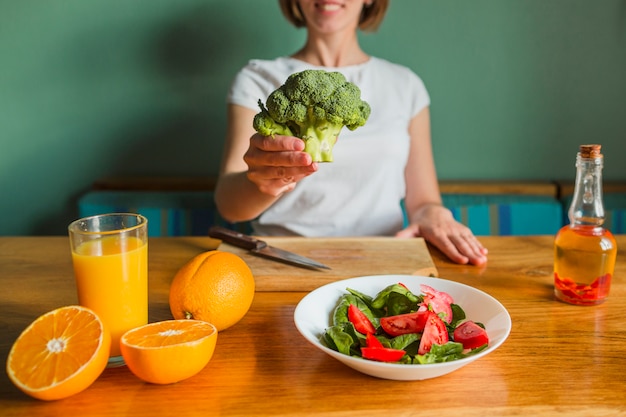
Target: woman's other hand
[436,224]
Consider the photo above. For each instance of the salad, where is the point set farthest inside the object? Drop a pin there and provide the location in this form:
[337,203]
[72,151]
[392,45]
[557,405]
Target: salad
[399,326]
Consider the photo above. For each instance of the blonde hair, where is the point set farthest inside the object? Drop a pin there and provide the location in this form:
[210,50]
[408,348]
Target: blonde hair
[371,16]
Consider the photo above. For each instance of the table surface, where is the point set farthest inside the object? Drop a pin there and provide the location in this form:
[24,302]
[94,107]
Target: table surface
[558,360]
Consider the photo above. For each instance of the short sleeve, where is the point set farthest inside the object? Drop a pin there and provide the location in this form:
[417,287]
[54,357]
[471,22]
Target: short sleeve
[421,98]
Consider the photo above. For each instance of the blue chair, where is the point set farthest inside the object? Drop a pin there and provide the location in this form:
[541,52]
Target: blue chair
[169,213]
[191,213]
[504,215]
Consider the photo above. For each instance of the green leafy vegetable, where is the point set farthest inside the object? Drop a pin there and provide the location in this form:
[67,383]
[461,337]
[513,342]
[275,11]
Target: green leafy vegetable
[393,301]
[341,311]
[382,299]
[313,105]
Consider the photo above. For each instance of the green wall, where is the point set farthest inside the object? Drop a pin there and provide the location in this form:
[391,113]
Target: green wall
[128,87]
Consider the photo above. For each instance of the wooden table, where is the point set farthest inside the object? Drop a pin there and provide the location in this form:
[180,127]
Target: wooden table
[558,360]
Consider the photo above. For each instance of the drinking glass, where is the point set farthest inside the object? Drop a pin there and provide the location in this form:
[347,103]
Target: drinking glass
[110,258]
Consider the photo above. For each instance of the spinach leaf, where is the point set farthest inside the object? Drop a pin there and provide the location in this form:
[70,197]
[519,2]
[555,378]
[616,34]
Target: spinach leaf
[340,314]
[366,298]
[476,350]
[450,351]
[403,341]
[442,353]
[344,339]
[381,299]
[336,339]
[368,301]
[458,315]
[399,304]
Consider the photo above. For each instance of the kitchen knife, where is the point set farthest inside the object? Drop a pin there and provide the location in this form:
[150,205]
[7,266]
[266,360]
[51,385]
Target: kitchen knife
[260,247]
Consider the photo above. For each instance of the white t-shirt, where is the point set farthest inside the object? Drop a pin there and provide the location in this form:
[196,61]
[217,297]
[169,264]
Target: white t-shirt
[359,193]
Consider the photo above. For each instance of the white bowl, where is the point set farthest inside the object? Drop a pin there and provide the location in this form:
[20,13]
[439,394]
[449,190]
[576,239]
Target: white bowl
[313,316]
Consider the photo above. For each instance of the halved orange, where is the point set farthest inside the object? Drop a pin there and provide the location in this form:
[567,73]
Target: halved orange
[60,353]
[169,351]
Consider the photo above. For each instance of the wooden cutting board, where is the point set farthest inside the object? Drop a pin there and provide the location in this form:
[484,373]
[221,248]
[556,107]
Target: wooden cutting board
[347,258]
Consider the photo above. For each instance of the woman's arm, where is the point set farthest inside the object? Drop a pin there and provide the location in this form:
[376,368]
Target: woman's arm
[256,170]
[428,218]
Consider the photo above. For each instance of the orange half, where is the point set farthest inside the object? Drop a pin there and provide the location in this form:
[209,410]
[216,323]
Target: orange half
[169,351]
[60,354]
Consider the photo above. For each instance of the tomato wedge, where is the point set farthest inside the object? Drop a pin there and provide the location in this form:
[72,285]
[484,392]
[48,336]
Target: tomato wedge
[404,323]
[360,321]
[382,354]
[470,335]
[434,332]
[372,342]
[438,301]
[377,352]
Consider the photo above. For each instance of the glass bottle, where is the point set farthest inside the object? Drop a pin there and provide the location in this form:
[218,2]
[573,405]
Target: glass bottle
[584,251]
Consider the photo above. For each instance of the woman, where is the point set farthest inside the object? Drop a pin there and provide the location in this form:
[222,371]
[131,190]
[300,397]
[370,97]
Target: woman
[390,158]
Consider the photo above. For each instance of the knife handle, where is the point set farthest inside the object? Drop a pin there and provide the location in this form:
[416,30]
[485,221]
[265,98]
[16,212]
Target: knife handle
[235,238]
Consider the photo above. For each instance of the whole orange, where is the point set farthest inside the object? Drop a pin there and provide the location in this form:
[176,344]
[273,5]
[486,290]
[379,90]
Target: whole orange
[215,286]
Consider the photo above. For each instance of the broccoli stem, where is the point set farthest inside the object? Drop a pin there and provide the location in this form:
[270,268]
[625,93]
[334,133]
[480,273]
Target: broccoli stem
[319,151]
[319,142]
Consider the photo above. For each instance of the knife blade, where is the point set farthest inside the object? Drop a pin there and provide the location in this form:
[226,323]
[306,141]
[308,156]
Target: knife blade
[260,247]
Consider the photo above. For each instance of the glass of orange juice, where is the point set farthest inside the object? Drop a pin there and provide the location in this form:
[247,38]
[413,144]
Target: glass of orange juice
[110,257]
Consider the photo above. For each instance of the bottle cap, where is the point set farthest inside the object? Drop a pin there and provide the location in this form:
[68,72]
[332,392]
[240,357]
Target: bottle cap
[590,151]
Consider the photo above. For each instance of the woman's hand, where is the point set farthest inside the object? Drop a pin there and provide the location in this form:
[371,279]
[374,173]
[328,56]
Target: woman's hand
[436,224]
[276,164]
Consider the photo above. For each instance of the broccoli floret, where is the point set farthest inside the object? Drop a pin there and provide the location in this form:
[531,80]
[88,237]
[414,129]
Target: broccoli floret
[313,105]
[265,125]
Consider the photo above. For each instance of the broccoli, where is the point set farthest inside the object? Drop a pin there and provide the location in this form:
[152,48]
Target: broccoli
[313,105]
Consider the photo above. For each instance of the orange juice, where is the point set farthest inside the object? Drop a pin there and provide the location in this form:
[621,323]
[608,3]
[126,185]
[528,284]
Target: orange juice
[112,279]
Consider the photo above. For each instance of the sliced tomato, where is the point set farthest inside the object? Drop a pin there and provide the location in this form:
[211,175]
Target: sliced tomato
[372,342]
[470,335]
[434,332]
[430,291]
[438,301]
[404,323]
[360,321]
[382,354]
